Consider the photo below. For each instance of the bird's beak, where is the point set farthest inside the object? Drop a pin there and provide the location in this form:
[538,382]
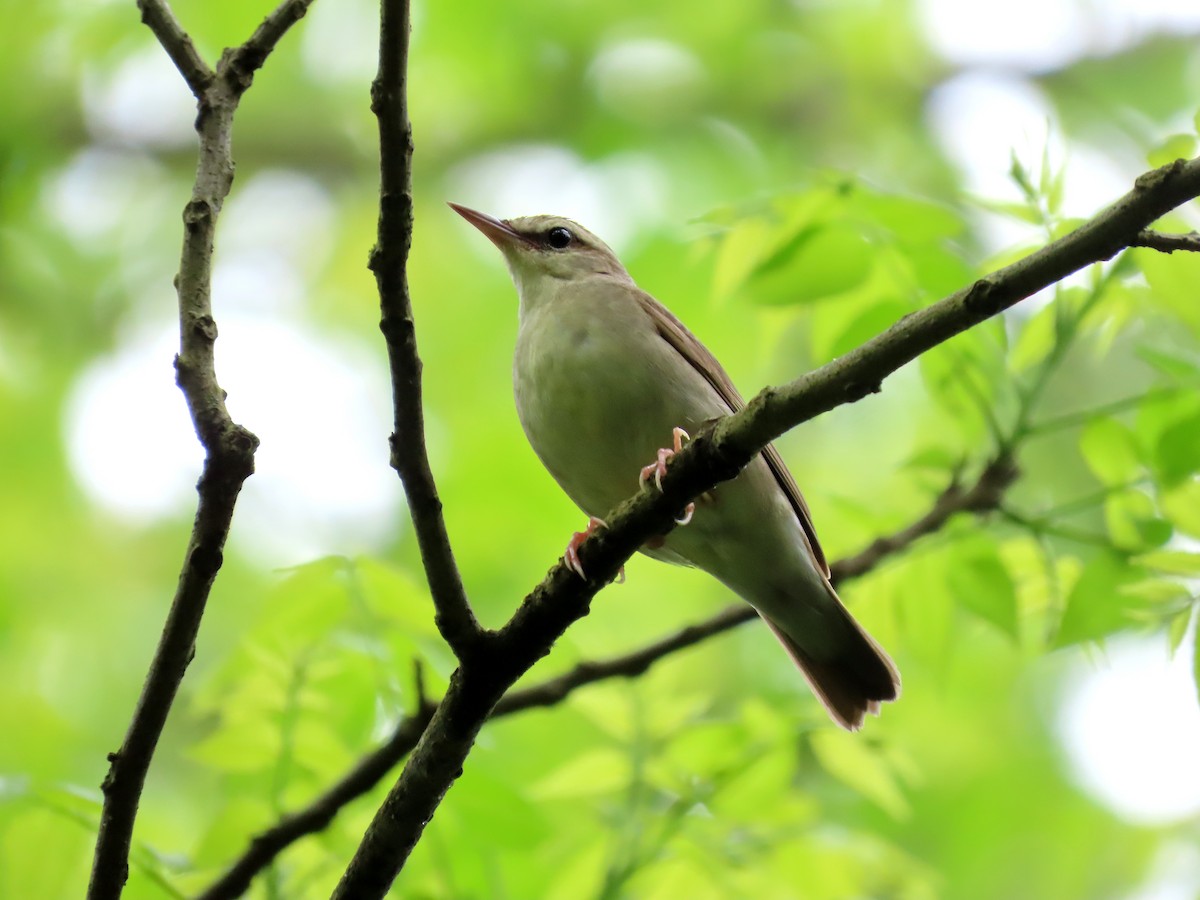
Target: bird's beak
[499,233]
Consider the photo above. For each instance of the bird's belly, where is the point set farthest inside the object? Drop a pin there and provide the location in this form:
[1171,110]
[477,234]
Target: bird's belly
[596,408]
[746,534]
[597,405]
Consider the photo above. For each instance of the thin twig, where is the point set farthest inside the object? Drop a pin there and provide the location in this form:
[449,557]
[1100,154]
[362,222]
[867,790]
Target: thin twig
[1168,243]
[409,456]
[158,17]
[249,57]
[984,495]
[424,704]
[229,450]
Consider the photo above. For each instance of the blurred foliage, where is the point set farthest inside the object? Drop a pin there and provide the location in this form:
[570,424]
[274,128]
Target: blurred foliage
[794,140]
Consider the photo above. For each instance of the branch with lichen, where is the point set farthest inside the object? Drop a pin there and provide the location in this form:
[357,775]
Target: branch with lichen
[229,448]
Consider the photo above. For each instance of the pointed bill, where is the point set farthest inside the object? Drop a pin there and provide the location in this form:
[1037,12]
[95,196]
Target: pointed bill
[499,233]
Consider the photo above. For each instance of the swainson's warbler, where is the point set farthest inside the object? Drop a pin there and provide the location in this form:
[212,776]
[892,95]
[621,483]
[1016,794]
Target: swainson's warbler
[604,374]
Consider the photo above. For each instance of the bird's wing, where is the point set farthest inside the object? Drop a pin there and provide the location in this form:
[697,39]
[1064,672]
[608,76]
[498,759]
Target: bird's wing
[676,334]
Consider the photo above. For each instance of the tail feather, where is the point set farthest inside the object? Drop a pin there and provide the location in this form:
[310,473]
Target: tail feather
[853,679]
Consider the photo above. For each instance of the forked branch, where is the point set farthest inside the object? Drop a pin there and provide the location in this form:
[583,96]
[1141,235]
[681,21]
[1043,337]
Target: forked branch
[229,448]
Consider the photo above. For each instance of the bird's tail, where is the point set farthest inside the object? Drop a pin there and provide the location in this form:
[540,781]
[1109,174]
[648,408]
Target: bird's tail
[852,675]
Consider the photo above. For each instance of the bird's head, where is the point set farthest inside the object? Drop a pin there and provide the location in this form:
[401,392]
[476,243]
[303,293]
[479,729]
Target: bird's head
[544,251]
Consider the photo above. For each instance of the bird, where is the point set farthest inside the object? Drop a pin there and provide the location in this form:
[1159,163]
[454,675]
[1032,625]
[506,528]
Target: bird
[603,373]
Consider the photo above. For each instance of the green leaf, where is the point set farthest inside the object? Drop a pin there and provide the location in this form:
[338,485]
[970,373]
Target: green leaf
[391,594]
[740,253]
[980,581]
[1173,279]
[498,806]
[876,318]
[249,745]
[316,747]
[1196,659]
[1176,146]
[1020,211]
[1171,562]
[603,770]
[927,606]
[1096,606]
[1110,451]
[1054,188]
[820,262]
[1154,418]
[1177,454]
[937,269]
[305,606]
[854,763]
[912,220]
[1035,340]
[1175,367]
[758,783]
[607,708]
[935,458]
[224,834]
[578,870]
[703,747]
[1181,505]
[1020,176]
[1133,521]
[1177,629]
[33,836]
[962,377]
[1163,593]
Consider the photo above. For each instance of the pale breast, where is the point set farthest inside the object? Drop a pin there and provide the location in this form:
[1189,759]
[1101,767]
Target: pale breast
[598,392]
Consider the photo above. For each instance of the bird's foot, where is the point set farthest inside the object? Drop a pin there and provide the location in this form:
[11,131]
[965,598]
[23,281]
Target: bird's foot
[658,469]
[571,557]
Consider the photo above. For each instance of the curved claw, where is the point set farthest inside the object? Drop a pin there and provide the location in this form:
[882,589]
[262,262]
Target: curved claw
[658,468]
[571,556]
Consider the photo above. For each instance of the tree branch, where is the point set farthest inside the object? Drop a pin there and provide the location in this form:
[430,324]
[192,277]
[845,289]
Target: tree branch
[712,457]
[249,57]
[158,17]
[982,497]
[409,457]
[229,448]
[1168,243]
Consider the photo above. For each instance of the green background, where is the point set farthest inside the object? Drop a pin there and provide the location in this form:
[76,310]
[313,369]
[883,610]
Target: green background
[774,172]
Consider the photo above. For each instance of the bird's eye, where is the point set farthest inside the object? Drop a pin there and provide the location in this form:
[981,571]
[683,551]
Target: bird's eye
[558,238]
